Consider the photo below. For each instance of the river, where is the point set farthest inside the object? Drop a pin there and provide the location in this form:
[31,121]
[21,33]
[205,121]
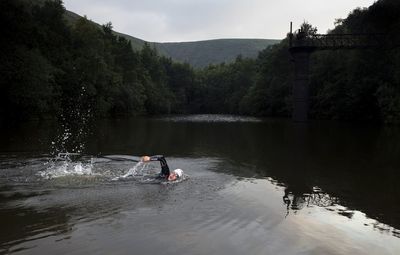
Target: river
[252,186]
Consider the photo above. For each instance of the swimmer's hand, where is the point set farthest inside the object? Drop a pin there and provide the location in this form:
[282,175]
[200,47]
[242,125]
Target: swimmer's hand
[145,159]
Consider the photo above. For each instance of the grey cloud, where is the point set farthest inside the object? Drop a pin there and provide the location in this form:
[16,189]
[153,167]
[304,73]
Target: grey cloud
[183,20]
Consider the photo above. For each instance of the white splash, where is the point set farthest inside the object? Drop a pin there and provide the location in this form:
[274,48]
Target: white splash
[66,167]
[136,170]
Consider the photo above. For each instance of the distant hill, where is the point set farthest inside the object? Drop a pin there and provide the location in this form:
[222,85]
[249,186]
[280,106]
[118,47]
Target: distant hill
[201,53]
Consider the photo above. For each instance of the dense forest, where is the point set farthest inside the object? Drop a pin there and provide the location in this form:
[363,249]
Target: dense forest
[51,68]
[361,85]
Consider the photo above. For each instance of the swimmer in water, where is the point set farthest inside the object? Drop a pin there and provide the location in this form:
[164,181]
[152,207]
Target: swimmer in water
[165,173]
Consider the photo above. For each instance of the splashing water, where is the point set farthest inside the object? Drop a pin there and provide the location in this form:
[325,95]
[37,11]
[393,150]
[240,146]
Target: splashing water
[62,166]
[74,127]
[137,170]
[74,123]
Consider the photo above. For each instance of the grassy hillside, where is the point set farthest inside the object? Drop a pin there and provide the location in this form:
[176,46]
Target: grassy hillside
[198,54]
[203,53]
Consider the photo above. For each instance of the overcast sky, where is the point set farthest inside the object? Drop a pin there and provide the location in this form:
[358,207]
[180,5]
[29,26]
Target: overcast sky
[193,20]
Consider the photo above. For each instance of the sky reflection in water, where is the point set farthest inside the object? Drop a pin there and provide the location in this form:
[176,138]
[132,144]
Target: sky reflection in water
[255,187]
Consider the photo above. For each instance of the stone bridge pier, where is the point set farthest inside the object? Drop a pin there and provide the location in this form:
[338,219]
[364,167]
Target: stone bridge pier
[301,91]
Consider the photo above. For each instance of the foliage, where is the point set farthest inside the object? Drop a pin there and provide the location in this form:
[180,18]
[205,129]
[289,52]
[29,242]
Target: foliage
[198,54]
[53,67]
[220,88]
[270,94]
[360,84]
[355,84]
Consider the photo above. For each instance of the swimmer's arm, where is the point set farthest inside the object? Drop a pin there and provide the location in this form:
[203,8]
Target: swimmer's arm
[157,158]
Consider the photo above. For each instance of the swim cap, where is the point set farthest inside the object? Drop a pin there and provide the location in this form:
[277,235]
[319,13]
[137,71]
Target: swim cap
[179,172]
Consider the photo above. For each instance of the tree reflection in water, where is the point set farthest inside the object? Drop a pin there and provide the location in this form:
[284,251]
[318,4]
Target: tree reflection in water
[297,201]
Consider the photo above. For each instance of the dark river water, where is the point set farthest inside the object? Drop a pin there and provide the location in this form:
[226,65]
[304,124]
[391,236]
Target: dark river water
[251,186]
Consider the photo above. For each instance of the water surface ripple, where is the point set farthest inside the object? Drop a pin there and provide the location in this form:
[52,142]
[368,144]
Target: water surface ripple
[254,186]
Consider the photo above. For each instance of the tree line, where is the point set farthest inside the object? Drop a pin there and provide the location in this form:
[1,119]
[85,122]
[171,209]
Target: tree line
[352,85]
[50,68]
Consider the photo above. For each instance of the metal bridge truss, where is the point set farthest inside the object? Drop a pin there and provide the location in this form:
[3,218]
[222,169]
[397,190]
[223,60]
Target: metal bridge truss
[301,46]
[302,41]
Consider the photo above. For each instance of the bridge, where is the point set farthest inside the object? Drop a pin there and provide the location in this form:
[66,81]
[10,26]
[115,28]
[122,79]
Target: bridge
[302,45]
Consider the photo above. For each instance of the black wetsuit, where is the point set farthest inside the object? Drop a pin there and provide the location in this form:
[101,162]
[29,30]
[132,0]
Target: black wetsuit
[164,166]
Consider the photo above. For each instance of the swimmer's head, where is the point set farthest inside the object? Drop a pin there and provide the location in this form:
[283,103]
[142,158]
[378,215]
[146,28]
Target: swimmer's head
[172,176]
[178,172]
